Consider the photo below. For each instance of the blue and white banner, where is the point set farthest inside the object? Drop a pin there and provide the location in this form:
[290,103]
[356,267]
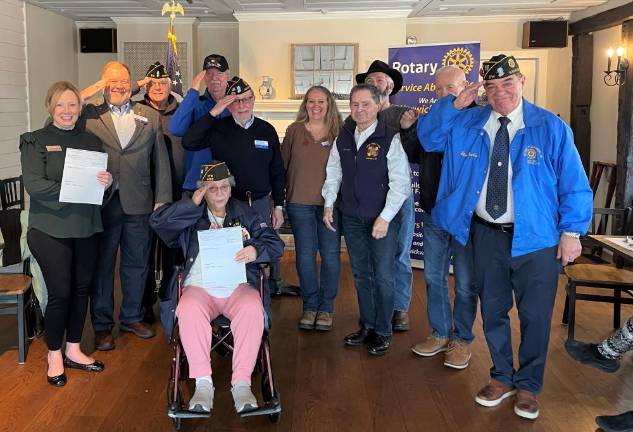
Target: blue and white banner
[418,65]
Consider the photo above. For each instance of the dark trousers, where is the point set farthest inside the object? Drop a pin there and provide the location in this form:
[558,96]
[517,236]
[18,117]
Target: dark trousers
[68,266]
[132,233]
[533,279]
[373,265]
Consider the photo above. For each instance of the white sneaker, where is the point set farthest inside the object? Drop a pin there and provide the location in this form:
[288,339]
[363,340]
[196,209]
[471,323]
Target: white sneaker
[202,399]
[243,397]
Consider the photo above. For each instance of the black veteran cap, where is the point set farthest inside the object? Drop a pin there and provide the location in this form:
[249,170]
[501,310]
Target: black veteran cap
[499,66]
[214,171]
[215,61]
[380,66]
[236,86]
[157,71]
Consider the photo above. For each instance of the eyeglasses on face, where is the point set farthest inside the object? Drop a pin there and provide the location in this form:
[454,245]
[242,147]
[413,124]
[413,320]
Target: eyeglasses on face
[216,189]
[243,101]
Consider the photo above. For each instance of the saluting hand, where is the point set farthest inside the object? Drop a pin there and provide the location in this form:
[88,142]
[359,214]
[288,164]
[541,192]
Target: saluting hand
[198,195]
[222,105]
[195,83]
[467,96]
[408,118]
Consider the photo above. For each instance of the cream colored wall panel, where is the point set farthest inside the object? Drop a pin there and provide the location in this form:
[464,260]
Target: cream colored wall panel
[10,160]
[12,51]
[13,78]
[13,92]
[11,9]
[11,24]
[12,65]
[11,131]
[14,119]
[11,37]
[12,105]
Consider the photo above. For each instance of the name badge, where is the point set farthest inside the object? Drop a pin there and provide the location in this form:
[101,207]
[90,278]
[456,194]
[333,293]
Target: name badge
[261,144]
[54,148]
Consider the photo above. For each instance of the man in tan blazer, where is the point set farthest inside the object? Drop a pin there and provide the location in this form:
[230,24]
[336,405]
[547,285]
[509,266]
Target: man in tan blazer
[139,162]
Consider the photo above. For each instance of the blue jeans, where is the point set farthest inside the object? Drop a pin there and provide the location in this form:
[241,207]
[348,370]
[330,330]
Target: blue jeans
[404,272]
[458,323]
[373,267]
[310,235]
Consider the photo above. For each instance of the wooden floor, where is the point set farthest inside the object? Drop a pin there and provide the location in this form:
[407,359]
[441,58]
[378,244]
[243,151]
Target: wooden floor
[324,385]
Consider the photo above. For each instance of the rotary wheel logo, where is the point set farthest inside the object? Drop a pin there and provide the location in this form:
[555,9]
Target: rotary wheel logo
[461,58]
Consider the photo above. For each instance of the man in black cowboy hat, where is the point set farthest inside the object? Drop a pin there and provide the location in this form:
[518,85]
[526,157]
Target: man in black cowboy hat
[512,184]
[158,97]
[388,81]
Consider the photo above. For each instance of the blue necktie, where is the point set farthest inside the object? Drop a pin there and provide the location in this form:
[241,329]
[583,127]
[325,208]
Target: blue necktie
[497,191]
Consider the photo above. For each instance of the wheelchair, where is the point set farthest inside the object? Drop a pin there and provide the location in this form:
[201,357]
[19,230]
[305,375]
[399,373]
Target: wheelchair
[222,343]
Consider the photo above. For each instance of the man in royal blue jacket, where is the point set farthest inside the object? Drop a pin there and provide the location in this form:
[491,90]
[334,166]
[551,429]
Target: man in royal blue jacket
[215,73]
[513,183]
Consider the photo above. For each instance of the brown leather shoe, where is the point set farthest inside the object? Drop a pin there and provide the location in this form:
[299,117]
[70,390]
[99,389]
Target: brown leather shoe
[104,340]
[526,405]
[494,393]
[323,321]
[140,329]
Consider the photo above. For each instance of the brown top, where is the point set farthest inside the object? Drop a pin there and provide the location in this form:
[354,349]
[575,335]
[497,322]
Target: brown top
[304,159]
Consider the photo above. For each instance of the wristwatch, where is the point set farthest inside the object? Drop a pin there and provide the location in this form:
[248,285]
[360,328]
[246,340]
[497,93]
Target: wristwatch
[571,234]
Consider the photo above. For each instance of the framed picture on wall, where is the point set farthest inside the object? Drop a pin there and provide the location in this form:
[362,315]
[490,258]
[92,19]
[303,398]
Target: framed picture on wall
[331,65]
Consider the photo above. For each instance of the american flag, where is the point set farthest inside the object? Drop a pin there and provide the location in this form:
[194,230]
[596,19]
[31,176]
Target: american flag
[173,68]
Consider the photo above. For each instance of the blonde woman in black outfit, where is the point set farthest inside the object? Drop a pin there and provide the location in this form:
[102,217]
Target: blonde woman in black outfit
[63,237]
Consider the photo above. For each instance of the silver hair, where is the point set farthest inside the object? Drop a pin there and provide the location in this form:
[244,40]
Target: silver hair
[450,68]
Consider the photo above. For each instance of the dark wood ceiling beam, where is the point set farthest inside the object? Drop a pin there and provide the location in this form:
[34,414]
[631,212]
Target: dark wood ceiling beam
[603,20]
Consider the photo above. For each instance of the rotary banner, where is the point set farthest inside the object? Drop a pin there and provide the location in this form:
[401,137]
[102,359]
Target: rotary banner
[418,65]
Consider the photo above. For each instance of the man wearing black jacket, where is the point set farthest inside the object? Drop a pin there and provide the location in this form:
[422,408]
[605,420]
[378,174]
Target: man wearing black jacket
[451,331]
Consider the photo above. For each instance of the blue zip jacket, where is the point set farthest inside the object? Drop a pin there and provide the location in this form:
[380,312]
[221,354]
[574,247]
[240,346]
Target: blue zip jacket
[550,186]
[191,109]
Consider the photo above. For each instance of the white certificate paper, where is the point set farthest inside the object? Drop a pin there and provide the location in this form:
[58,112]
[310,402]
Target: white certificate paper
[79,182]
[217,256]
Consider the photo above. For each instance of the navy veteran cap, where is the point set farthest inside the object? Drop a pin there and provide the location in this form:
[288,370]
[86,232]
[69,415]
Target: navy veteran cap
[214,171]
[499,66]
[236,86]
[215,61]
[157,71]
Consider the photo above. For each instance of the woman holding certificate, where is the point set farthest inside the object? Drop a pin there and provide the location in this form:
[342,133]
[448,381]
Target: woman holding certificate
[62,236]
[185,224]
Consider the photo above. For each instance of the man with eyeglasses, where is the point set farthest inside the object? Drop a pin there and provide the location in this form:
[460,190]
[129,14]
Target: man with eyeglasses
[250,148]
[215,74]
[158,97]
[133,138]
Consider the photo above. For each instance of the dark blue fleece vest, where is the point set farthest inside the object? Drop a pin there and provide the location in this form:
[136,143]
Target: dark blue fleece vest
[365,174]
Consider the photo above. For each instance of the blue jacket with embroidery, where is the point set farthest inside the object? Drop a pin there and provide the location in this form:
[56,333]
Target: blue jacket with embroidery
[550,186]
[191,109]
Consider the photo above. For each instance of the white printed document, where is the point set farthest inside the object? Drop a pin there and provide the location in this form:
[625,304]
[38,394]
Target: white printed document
[217,256]
[79,182]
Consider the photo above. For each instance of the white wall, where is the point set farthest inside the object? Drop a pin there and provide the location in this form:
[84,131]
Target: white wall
[52,56]
[13,85]
[265,46]
[604,106]
[218,38]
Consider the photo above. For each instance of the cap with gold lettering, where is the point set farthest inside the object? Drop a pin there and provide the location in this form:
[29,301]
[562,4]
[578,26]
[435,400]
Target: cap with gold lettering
[499,66]
[236,86]
[214,171]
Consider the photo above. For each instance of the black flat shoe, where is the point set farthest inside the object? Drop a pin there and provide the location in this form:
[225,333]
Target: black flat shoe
[95,366]
[57,380]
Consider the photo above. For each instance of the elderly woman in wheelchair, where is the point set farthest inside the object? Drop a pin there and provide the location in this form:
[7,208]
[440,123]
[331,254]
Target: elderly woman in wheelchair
[211,207]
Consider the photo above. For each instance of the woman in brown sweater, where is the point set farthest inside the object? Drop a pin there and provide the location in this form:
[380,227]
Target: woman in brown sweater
[305,151]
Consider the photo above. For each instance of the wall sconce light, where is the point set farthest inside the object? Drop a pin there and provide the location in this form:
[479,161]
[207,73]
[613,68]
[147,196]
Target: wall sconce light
[617,76]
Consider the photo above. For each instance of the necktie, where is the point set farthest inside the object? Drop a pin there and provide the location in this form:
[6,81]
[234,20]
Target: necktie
[497,191]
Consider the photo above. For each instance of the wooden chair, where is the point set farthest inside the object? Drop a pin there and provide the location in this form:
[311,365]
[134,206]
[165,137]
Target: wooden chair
[601,276]
[12,193]
[15,290]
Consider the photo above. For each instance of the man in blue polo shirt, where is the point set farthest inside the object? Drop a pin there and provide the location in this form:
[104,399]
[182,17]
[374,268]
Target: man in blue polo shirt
[215,73]
[512,181]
